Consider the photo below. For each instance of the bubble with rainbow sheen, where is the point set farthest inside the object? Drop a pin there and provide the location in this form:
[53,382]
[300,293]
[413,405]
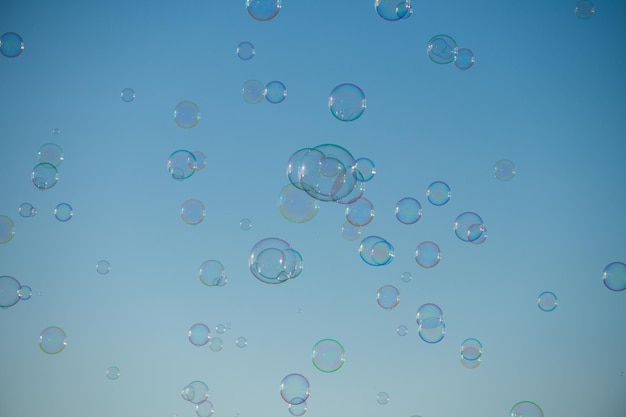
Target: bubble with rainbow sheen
[27,210]
[526,409]
[52,340]
[195,392]
[504,170]
[296,205]
[360,212]
[181,164]
[467,226]
[438,193]
[614,276]
[350,231]
[253,91]
[547,301]
[432,334]
[205,409]
[295,389]
[408,210]
[471,349]
[347,102]
[298,409]
[376,251]
[187,114]
[429,316]
[364,169]
[328,355]
[441,49]
[274,261]
[427,254]
[275,92]
[50,153]
[7,229]
[63,212]
[246,50]
[44,175]
[199,334]
[212,273]
[193,211]
[388,297]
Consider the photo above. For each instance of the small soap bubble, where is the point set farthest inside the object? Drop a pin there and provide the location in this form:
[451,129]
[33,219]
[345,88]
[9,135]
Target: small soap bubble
[263,10]
[275,92]
[241,342]
[193,212]
[441,49]
[205,409]
[103,267]
[52,340]
[44,175]
[216,344]
[113,372]
[181,164]
[200,160]
[388,297]
[212,273]
[328,355]
[364,169]
[408,210]
[402,330]
[246,51]
[526,409]
[298,409]
[406,277]
[187,114]
[382,398]
[296,205]
[504,170]
[376,251]
[471,364]
[27,210]
[253,91]
[11,44]
[350,231]
[360,212]
[464,59]
[127,95]
[24,292]
[220,328]
[347,102]
[56,131]
[547,301]
[584,9]
[432,335]
[245,224]
[438,193]
[7,229]
[427,254]
[471,349]
[468,226]
[50,153]
[477,233]
[196,392]
[9,295]
[614,276]
[199,334]
[63,212]
[294,389]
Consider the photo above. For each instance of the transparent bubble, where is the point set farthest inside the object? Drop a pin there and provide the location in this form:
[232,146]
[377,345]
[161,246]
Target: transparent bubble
[26,210]
[24,292]
[212,273]
[464,59]
[11,44]
[245,224]
[471,364]
[347,102]
[103,267]
[328,355]
[204,409]
[263,9]
[44,175]
[360,213]
[246,51]
[181,164]
[294,389]
[274,261]
[438,193]
[376,251]
[471,349]
[382,398]
[477,233]
[406,277]
[199,334]
[388,297]
[408,210]
[253,91]
[350,231]
[429,316]
[220,328]
[127,95]
[526,409]
[441,49]
[584,9]
[614,276]
[275,92]
[467,226]
[432,335]
[193,211]
[296,205]
[63,212]
[504,170]
[52,340]
[241,342]
[56,131]
[393,10]
[200,160]
[298,409]
[196,392]
[7,229]
[9,288]
[187,114]
[402,330]
[427,254]
[113,372]
[364,169]
[50,153]
[216,344]
[547,301]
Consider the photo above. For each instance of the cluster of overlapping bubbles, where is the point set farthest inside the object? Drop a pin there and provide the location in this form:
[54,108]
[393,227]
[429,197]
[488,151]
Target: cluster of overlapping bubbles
[274,261]
[197,393]
[295,390]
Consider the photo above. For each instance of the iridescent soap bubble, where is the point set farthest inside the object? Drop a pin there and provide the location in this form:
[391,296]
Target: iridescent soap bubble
[393,10]
[432,334]
[200,160]
[11,44]
[199,334]
[275,92]
[7,229]
[273,261]
[294,389]
[263,9]
[24,292]
[127,95]
[241,342]
[347,102]
[245,50]
[467,226]
[438,193]
[253,91]
[477,233]
[526,409]
[360,213]
[471,364]
[245,224]
[27,210]
[195,392]
[296,205]
[388,297]
[584,9]
[614,276]
[113,372]
[298,409]
[406,277]
[547,301]
[44,175]
[205,409]
[382,398]
[63,212]
[350,231]
[52,340]
[9,288]
[504,170]
[471,349]
[402,330]
[181,164]
[376,251]
[464,59]
[441,49]
[193,211]
[429,316]
[187,114]
[427,254]
[328,355]
[408,210]
[212,273]
[103,267]
[50,153]
[364,169]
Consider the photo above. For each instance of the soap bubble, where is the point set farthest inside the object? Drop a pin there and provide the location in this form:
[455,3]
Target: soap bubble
[204,409]
[7,229]
[212,273]
[275,92]
[11,44]
[393,10]
[63,212]
[442,49]
[427,254]
[429,316]
[406,277]
[216,344]
[350,231]
[408,210]
[9,288]
[127,95]
[246,51]
[50,153]
[294,389]
[432,334]
[364,169]
[245,224]
[113,372]
[241,342]
[103,267]
[298,409]
[187,114]
[44,175]
[402,330]
[584,9]
[52,340]
[376,251]
[220,328]
[547,301]
[467,226]
[200,160]
[526,409]
[199,334]
[253,91]
[388,297]
[196,392]
[614,276]
[27,210]
[438,193]
[471,349]
[273,261]
[181,164]
[193,212]
[347,102]
[328,355]
[263,9]
[504,170]
[382,398]
[297,206]
[464,59]
[360,212]
[24,292]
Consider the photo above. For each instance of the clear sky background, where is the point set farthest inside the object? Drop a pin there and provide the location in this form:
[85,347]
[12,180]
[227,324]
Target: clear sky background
[546,92]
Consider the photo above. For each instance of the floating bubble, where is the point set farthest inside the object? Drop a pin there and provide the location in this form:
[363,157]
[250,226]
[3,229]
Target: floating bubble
[56,131]
[9,288]
[50,153]
[275,92]
[298,409]
[388,297]
[350,231]
[204,409]
[196,392]
[614,276]
[52,340]
[44,175]
[297,206]
[360,213]
[199,334]
[471,364]
[406,277]
[187,114]
[245,50]
[429,316]
[193,211]
[393,10]
[113,372]
[402,330]
[274,261]
[471,349]
[216,344]
[27,210]
[263,10]
[328,355]
[477,233]
[364,169]
[212,273]
[7,229]
[63,212]
[245,224]
[376,251]
[241,342]
[181,164]
[442,49]
[11,44]
[347,102]
[584,9]
[427,254]
[464,59]
[103,267]
[24,292]
[294,389]
[408,210]
[253,91]
[382,398]
[438,193]
[547,301]
[220,328]
[200,160]
[127,95]
[504,170]
[432,335]
[467,226]
[526,409]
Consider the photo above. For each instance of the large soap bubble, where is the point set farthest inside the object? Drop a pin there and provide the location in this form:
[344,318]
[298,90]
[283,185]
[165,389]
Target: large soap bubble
[274,261]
